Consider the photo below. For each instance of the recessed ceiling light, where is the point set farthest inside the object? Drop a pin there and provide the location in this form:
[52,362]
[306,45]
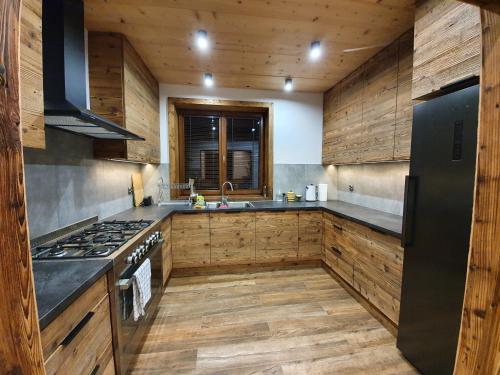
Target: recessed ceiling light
[202,39]
[315,51]
[288,84]
[208,80]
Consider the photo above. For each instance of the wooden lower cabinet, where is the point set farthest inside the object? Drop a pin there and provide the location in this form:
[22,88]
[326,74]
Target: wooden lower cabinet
[276,236]
[310,235]
[190,240]
[369,261]
[79,341]
[166,250]
[232,238]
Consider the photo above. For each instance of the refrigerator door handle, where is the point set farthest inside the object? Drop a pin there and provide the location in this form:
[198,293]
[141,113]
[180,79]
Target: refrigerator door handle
[409,210]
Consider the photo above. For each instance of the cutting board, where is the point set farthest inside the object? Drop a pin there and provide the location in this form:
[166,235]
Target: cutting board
[138,189]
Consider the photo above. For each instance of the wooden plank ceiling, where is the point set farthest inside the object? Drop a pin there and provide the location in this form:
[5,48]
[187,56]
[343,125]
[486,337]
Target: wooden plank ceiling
[254,43]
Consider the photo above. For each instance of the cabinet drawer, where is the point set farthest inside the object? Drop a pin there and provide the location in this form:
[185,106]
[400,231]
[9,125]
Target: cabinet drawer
[191,221]
[105,364]
[373,286]
[340,262]
[55,332]
[80,350]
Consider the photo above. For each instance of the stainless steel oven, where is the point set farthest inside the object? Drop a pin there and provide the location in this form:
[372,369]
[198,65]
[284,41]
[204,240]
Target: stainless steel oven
[129,333]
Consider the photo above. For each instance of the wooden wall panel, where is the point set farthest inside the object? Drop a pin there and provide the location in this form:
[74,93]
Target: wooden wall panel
[447,44]
[367,116]
[31,62]
[479,346]
[21,349]
[404,105]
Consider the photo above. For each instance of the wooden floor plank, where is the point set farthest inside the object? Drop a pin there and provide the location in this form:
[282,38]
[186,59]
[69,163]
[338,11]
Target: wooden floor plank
[266,322]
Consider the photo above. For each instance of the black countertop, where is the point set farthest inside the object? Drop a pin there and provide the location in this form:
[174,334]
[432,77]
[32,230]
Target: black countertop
[378,220]
[58,283]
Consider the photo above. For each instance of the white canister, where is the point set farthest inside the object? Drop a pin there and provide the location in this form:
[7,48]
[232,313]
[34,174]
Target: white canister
[322,192]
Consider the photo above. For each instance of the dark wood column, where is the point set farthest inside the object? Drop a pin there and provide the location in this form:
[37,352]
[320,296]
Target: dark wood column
[479,346]
[20,346]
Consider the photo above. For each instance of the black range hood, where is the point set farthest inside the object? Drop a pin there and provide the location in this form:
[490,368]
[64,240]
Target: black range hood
[64,74]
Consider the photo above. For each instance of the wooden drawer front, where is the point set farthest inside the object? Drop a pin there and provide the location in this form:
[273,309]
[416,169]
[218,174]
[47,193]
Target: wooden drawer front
[166,230]
[371,284]
[378,268]
[190,240]
[341,263]
[105,364]
[310,235]
[80,353]
[190,221]
[276,236]
[55,332]
[232,238]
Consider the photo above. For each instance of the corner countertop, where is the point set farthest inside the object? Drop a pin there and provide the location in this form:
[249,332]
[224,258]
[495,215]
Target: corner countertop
[378,220]
[58,283]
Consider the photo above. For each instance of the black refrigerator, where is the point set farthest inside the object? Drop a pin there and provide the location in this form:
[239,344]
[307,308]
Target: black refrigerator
[436,228]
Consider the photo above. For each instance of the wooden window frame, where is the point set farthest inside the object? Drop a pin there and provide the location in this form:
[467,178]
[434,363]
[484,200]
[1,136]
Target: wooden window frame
[179,107]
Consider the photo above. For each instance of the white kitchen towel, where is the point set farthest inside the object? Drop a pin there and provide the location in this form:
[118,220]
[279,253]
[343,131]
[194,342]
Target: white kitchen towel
[141,285]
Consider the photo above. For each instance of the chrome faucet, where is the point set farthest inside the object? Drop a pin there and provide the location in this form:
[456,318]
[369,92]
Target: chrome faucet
[222,199]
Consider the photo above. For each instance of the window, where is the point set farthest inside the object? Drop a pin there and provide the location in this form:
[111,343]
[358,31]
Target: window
[222,146]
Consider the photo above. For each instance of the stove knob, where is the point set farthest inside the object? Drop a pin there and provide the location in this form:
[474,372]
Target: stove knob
[142,249]
[131,259]
[158,234]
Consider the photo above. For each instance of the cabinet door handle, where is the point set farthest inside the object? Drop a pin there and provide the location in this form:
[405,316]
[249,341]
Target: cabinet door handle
[67,340]
[338,227]
[409,210]
[96,368]
[336,250]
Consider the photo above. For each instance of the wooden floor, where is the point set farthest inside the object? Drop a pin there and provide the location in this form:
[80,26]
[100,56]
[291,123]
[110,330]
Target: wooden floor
[279,322]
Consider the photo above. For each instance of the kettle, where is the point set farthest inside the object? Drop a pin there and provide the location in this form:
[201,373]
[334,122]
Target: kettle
[311,193]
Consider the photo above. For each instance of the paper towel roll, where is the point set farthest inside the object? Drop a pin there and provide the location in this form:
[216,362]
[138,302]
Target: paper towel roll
[322,192]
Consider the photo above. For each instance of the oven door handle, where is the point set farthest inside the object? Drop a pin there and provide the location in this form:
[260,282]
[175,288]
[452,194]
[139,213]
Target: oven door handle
[124,284]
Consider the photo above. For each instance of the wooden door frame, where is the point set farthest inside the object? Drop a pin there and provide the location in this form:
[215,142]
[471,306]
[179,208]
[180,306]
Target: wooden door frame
[218,105]
[479,342]
[21,351]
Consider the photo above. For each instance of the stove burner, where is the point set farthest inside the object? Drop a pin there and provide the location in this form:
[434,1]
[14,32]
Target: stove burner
[102,251]
[57,252]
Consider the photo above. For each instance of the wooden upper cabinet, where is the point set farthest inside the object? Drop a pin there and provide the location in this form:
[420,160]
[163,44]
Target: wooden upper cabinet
[31,66]
[376,135]
[404,104]
[367,116]
[123,90]
[447,44]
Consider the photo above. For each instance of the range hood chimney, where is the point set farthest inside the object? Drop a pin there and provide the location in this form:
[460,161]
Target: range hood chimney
[64,78]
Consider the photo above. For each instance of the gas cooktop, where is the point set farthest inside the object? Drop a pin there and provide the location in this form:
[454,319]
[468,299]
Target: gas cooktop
[98,240]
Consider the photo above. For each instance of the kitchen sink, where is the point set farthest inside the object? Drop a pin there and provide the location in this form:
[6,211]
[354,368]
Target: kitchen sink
[216,205]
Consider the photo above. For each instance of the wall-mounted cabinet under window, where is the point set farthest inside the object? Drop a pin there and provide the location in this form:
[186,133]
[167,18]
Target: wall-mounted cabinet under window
[213,141]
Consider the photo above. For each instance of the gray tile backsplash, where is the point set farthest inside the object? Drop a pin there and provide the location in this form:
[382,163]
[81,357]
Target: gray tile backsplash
[295,177]
[65,185]
[376,185]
